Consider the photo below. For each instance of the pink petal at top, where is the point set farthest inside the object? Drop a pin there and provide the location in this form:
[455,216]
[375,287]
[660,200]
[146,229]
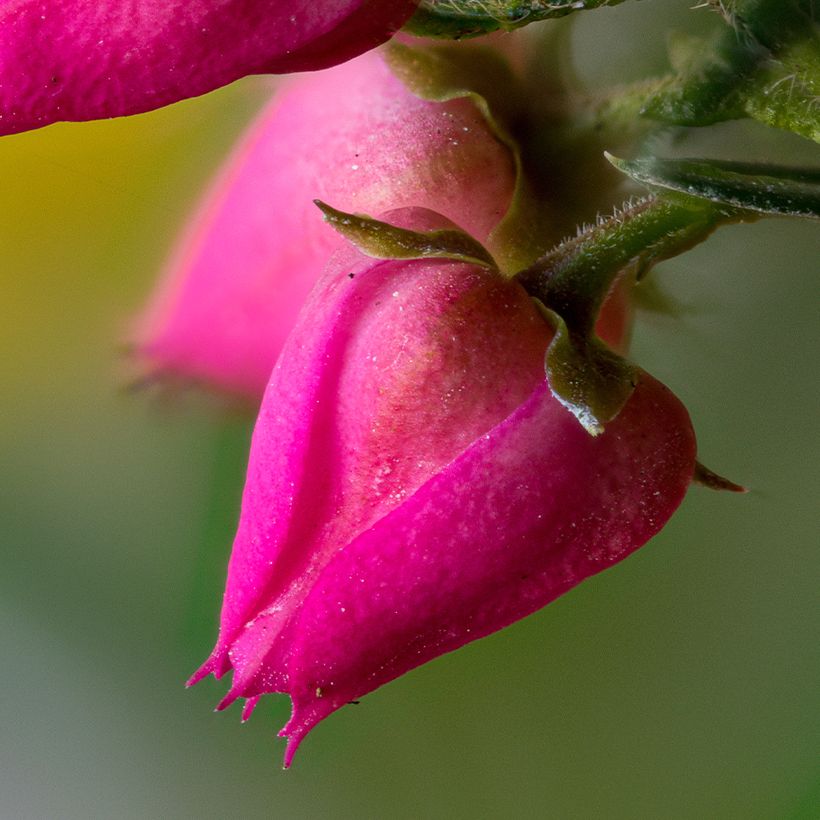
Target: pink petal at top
[353,136]
[88,59]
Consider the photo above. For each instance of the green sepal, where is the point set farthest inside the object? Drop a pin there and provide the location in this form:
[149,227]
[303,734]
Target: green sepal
[456,19]
[384,241]
[710,479]
[440,72]
[760,188]
[585,376]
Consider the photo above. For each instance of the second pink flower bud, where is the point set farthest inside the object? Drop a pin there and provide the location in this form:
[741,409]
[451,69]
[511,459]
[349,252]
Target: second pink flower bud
[354,136]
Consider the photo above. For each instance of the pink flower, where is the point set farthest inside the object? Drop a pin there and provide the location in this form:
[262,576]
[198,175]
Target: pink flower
[413,485]
[354,136]
[87,59]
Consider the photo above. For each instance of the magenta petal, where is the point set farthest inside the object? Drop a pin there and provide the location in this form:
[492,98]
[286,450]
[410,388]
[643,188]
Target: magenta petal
[87,59]
[413,485]
[529,511]
[356,418]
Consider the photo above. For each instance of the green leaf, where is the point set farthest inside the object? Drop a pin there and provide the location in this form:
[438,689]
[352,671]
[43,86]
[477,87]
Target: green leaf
[765,65]
[384,241]
[454,19]
[764,189]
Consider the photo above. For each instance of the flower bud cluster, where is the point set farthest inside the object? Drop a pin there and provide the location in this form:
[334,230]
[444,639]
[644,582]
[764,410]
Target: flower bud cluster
[418,476]
[413,483]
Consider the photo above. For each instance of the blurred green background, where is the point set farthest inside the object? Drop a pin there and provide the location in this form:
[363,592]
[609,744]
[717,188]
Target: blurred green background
[680,684]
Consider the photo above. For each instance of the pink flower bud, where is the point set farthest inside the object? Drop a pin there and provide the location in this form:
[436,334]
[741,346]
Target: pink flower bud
[354,137]
[413,485]
[87,59]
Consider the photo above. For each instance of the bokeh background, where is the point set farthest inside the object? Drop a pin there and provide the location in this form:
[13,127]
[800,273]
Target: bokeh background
[680,684]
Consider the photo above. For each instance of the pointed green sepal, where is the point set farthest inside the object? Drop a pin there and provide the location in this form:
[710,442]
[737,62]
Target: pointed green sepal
[590,380]
[455,19]
[707,478]
[384,241]
[764,189]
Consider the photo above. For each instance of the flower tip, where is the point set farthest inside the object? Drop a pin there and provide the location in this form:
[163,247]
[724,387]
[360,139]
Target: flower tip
[290,751]
[200,673]
[227,701]
[294,742]
[304,718]
[247,709]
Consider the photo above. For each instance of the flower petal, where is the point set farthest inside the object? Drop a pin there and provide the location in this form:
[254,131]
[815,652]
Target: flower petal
[394,368]
[87,59]
[526,513]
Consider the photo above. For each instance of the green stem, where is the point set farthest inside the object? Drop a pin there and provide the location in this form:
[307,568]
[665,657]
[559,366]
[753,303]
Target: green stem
[574,279]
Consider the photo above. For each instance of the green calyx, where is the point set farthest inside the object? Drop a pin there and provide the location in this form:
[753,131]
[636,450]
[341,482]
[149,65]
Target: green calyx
[690,199]
[572,281]
[384,241]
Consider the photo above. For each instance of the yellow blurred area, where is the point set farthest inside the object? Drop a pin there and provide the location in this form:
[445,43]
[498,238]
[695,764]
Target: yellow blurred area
[88,213]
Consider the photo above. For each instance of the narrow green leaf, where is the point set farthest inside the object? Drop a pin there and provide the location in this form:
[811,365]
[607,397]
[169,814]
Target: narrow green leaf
[454,19]
[384,241]
[764,189]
